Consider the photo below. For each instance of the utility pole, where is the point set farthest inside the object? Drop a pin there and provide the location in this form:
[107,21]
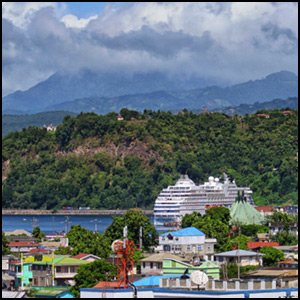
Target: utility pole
[141,236]
[67,223]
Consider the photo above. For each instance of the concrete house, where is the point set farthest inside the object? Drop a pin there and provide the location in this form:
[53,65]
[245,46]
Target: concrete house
[245,258]
[188,241]
[153,264]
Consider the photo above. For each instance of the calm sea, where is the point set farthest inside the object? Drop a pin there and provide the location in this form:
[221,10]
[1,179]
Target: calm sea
[50,224]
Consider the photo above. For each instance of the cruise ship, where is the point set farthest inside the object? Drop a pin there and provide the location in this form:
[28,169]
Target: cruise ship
[185,197]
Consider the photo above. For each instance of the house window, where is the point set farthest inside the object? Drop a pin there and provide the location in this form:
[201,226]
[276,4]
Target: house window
[72,269]
[58,269]
[188,247]
[144,265]
[151,265]
[199,248]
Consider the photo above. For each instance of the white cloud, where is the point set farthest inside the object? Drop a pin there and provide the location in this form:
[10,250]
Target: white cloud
[232,41]
[20,13]
[74,22]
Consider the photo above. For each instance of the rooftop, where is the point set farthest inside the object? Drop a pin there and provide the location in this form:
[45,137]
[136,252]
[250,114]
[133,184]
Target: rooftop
[254,245]
[23,244]
[188,231]
[238,252]
[160,256]
[83,255]
[265,208]
[37,250]
[153,280]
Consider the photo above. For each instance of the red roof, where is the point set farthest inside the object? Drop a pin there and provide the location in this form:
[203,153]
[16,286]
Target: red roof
[107,284]
[265,208]
[286,112]
[288,261]
[80,255]
[23,244]
[263,115]
[37,250]
[254,245]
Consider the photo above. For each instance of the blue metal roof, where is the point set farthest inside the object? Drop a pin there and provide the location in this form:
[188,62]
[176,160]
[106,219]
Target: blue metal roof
[188,231]
[153,280]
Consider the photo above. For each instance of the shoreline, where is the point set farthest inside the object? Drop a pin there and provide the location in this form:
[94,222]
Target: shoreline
[70,212]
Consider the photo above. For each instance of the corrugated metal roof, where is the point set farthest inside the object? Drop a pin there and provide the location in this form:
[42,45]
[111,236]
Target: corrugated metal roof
[240,253]
[188,231]
[153,280]
[160,256]
[253,245]
[9,294]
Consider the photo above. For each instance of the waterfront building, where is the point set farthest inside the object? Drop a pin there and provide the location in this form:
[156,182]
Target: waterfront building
[188,241]
[185,197]
[22,247]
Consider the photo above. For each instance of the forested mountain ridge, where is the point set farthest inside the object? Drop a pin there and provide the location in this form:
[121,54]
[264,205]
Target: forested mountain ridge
[87,91]
[100,162]
[244,109]
[277,85]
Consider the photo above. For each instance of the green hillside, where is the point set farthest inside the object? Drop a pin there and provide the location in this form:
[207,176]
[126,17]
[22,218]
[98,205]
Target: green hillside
[12,123]
[97,161]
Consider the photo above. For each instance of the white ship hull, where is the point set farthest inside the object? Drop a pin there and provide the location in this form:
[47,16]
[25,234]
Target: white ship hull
[185,197]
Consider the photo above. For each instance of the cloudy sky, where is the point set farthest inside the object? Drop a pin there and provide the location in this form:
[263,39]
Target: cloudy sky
[231,42]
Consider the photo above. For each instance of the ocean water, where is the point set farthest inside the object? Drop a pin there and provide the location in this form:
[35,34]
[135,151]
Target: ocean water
[50,224]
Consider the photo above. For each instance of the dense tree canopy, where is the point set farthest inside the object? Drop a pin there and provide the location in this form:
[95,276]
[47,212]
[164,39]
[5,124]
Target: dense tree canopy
[215,224]
[133,219]
[89,275]
[5,242]
[272,256]
[100,162]
[82,240]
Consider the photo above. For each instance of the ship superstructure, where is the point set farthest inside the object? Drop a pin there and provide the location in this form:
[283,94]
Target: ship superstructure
[186,197]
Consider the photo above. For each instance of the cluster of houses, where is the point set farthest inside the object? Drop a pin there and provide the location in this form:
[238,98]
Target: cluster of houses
[179,252]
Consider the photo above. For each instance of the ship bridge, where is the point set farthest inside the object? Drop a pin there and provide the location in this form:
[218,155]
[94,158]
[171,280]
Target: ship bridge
[185,182]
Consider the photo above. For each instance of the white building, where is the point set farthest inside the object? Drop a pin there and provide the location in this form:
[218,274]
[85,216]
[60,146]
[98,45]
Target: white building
[188,241]
[243,257]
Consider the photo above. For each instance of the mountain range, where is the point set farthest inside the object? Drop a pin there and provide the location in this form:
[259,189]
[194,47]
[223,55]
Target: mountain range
[102,93]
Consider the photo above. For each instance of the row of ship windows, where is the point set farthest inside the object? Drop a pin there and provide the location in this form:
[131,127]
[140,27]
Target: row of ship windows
[166,211]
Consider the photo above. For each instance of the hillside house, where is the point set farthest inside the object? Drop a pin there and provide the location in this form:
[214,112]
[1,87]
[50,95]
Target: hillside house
[186,242]
[244,257]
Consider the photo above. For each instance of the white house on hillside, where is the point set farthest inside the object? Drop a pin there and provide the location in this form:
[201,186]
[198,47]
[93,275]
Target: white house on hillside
[188,241]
